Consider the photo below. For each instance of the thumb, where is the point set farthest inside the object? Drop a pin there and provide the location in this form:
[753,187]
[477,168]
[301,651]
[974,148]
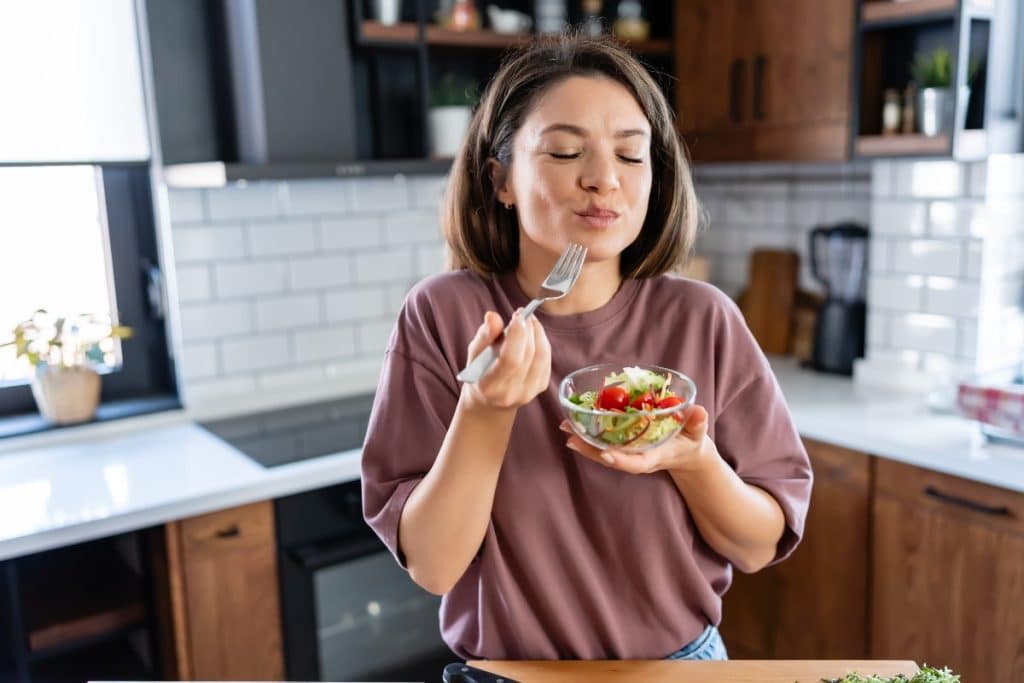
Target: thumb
[696,424]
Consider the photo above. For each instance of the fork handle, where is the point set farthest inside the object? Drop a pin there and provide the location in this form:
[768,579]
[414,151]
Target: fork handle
[476,368]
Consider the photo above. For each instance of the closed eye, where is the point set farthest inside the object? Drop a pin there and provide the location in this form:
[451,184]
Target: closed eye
[631,160]
[574,155]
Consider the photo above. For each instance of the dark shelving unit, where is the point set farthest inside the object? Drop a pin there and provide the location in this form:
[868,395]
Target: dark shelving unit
[889,34]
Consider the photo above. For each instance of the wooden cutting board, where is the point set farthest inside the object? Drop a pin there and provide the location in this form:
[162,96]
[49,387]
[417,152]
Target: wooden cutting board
[767,302]
[664,671]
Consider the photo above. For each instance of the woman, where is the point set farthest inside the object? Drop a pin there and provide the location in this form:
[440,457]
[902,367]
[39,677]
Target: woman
[542,546]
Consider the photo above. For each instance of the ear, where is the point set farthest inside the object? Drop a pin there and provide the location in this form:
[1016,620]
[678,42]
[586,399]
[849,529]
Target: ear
[500,182]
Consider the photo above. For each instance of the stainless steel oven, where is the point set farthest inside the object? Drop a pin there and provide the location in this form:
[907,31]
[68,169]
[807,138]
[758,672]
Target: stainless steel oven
[349,612]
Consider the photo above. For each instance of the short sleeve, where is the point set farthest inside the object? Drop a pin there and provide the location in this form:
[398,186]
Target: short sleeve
[415,401]
[754,431]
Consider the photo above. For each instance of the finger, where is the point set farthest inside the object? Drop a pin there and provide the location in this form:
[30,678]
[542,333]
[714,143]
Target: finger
[696,422]
[575,443]
[510,355]
[633,463]
[539,373]
[485,334]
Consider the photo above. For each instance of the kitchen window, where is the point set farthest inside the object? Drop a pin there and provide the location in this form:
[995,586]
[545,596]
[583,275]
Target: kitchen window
[80,238]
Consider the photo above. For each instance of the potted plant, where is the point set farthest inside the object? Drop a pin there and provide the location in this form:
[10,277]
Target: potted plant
[933,74]
[451,107]
[66,354]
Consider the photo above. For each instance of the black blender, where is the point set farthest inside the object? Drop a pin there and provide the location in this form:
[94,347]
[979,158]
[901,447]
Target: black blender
[839,259]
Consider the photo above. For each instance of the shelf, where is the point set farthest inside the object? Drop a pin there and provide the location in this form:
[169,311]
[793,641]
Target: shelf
[219,173]
[899,145]
[905,11]
[78,594]
[116,660]
[407,34]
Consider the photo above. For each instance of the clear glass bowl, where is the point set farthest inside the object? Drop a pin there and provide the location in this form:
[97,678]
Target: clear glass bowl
[632,432]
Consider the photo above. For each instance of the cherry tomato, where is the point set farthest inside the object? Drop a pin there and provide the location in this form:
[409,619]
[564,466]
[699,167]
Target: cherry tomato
[669,402]
[644,401]
[613,398]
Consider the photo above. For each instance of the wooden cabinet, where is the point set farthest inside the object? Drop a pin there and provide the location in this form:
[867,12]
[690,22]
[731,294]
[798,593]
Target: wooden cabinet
[813,605]
[948,573]
[764,80]
[222,595]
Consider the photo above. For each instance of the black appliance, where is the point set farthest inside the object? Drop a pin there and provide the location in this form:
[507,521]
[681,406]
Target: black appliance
[349,612]
[839,259]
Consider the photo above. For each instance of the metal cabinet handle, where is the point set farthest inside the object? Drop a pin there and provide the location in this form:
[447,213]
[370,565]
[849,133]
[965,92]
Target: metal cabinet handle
[996,511]
[736,69]
[229,532]
[760,64]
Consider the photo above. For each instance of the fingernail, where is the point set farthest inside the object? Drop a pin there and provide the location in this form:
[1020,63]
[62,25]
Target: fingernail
[607,457]
[571,446]
[565,428]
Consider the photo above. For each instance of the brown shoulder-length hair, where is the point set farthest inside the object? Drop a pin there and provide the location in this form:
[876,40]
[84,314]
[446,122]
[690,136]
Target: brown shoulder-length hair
[484,237]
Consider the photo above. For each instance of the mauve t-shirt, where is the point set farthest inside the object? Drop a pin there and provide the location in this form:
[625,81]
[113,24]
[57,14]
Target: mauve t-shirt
[581,561]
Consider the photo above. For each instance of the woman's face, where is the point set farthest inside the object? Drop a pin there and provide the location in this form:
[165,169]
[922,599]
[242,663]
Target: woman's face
[581,169]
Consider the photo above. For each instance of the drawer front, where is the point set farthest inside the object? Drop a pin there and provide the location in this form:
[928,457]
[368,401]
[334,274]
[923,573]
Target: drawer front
[248,526]
[838,464]
[967,499]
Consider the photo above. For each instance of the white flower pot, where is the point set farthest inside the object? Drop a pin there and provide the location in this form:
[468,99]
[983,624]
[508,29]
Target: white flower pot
[387,12]
[67,395]
[448,126]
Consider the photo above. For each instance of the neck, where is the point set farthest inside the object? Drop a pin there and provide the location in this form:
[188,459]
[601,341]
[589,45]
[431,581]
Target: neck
[597,284]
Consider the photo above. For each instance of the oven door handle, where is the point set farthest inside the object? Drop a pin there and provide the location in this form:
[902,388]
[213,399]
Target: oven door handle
[313,556]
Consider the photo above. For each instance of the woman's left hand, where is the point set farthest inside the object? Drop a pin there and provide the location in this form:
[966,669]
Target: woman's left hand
[690,449]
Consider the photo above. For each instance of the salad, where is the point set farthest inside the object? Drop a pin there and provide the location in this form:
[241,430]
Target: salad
[926,675]
[629,397]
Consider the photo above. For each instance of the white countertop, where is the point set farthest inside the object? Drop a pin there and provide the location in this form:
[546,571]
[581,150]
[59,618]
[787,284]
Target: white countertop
[59,491]
[65,493]
[894,425]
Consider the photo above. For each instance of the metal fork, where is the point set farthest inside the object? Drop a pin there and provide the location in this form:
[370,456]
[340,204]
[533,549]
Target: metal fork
[557,284]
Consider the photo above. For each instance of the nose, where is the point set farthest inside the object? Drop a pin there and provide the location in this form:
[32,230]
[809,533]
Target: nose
[599,174]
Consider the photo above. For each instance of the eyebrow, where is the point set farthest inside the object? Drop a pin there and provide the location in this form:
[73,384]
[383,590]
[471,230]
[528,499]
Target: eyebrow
[576,130]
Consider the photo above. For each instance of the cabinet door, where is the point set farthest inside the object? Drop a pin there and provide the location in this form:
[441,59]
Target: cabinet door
[948,576]
[713,68]
[814,604]
[226,569]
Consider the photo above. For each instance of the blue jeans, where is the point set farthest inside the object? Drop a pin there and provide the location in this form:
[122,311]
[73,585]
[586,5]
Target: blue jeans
[707,646]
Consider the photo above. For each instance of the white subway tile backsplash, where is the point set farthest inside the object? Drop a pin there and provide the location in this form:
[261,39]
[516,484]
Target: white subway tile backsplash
[379,194]
[958,218]
[430,259]
[251,278]
[751,211]
[208,243]
[186,206]
[1005,175]
[978,179]
[254,353]
[924,332]
[427,191]
[373,336]
[245,200]
[878,256]
[925,257]
[320,272]
[215,320]
[882,179]
[846,210]
[351,233]
[199,361]
[973,253]
[317,197]
[326,343]
[281,238]
[948,296]
[878,328]
[372,267]
[395,298]
[805,214]
[211,390]
[356,304]
[287,312]
[305,376]
[412,228]
[899,217]
[929,179]
[193,283]
[896,293]
[967,339]
[769,238]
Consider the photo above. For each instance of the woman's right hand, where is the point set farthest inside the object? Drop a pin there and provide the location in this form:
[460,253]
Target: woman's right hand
[522,369]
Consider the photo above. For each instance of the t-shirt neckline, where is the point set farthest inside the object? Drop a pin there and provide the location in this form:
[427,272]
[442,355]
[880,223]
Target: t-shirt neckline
[575,321]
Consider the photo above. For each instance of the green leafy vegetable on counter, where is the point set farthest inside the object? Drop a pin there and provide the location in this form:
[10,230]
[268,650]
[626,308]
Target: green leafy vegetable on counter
[927,674]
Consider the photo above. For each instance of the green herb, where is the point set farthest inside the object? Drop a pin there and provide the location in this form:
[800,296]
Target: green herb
[934,70]
[453,91]
[927,674]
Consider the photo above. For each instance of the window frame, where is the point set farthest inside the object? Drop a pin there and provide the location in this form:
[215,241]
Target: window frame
[147,370]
